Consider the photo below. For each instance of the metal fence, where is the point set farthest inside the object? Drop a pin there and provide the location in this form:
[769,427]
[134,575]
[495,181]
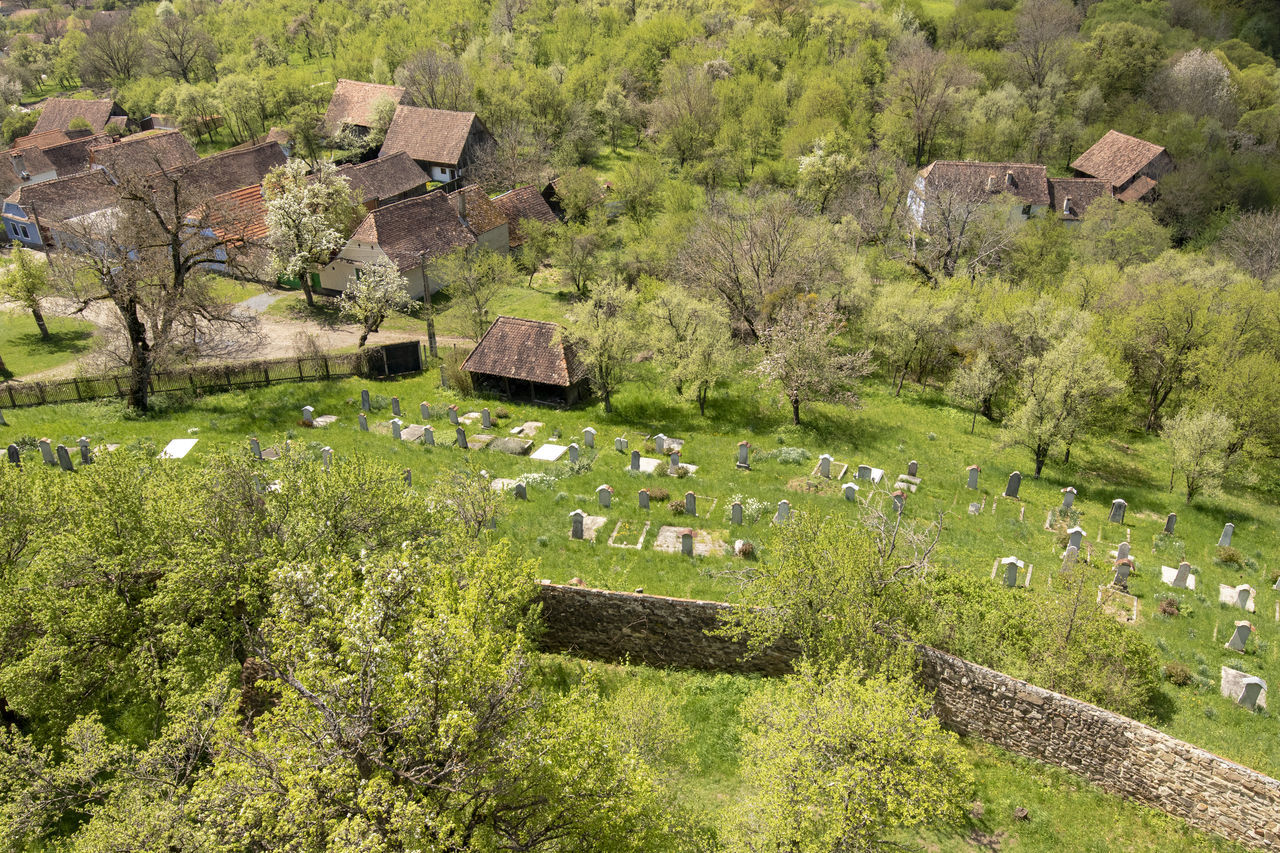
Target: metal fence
[373,362]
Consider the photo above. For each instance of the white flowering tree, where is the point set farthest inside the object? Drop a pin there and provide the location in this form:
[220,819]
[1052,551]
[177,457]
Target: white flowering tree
[1198,448]
[801,357]
[308,217]
[370,298]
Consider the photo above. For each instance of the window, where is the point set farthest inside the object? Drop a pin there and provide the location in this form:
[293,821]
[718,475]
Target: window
[25,233]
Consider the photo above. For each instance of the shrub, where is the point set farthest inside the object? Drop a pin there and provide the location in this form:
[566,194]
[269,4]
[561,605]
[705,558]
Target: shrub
[747,551]
[543,541]
[787,455]
[753,509]
[454,376]
[501,412]
[1230,556]
[1178,674]
[1169,606]
[676,507]
[680,473]
[659,495]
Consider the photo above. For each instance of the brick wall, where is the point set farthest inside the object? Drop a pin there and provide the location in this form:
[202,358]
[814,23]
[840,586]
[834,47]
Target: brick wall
[1120,755]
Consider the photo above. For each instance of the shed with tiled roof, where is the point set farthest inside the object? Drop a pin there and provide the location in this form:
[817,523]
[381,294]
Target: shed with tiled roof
[59,113]
[520,204]
[528,359]
[352,104]
[442,142]
[1122,161]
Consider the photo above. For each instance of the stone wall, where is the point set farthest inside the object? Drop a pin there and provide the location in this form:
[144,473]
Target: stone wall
[1121,755]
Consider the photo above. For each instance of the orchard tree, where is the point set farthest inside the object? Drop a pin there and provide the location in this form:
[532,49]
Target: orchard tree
[26,281]
[975,382]
[923,97]
[605,334]
[692,342]
[308,217]
[1198,448]
[1123,234]
[1252,242]
[377,292]
[473,278]
[801,357]
[1045,29]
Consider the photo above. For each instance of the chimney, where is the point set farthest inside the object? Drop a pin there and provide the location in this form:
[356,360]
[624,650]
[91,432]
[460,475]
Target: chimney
[991,183]
[1008,178]
[1066,206]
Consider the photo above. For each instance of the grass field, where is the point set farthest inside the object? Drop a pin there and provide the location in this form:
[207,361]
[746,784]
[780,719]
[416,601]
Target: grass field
[25,352]
[886,432]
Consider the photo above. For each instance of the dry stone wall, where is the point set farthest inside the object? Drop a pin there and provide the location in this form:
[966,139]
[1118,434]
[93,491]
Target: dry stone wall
[1121,755]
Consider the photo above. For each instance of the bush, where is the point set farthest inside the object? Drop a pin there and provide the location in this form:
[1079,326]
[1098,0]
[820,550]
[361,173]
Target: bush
[747,551]
[1178,674]
[787,455]
[1230,556]
[659,495]
[454,376]
[753,509]
[501,412]
[680,473]
[676,507]
[1169,606]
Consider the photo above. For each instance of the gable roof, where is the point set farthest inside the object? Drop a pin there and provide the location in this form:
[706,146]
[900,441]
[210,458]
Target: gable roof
[352,103]
[275,134]
[523,203]
[526,349]
[73,156]
[1071,197]
[1138,189]
[427,135]
[144,154]
[30,162]
[58,113]
[241,213]
[476,210]
[65,198]
[231,170]
[384,177]
[49,137]
[1117,157]
[415,229]
[974,180]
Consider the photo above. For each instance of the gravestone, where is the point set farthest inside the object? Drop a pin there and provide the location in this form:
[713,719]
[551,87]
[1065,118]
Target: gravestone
[686,543]
[735,512]
[691,504]
[1074,537]
[520,492]
[86,455]
[1069,557]
[573,453]
[744,456]
[46,452]
[635,460]
[429,435]
[1184,572]
[424,410]
[486,420]
[864,472]
[308,416]
[644,498]
[15,457]
[620,445]
[1068,497]
[255,448]
[1224,540]
[660,442]
[1118,507]
[589,437]
[604,495]
[1253,688]
[912,468]
[1237,596]
[364,400]
[364,423]
[1170,522]
[453,415]
[675,459]
[461,438]
[395,406]
[1122,568]
[326,456]
[824,465]
[1241,636]
[784,511]
[395,428]
[899,501]
[1015,483]
[576,517]
[64,458]
[1010,565]
[1122,552]
[973,476]
[408,476]
[850,491]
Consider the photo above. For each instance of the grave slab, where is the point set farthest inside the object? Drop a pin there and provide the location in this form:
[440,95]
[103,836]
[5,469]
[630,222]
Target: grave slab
[1231,595]
[549,452]
[1232,685]
[838,470]
[324,420]
[647,465]
[1169,574]
[591,525]
[527,429]
[706,543]
[413,432]
[469,418]
[511,445]
[478,442]
[686,466]
[502,484]
[623,531]
[1122,606]
[177,448]
[907,478]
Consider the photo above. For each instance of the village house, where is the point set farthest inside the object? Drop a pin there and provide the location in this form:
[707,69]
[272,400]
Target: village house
[520,204]
[482,217]
[528,360]
[385,180]
[443,142]
[143,154]
[59,113]
[351,108]
[1132,167]
[1026,188]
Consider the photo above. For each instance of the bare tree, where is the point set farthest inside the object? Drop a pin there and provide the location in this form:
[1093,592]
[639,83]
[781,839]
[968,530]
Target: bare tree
[923,94]
[801,357]
[1045,31]
[112,54]
[956,222]
[1252,242]
[147,258]
[754,254]
[435,78]
[182,49]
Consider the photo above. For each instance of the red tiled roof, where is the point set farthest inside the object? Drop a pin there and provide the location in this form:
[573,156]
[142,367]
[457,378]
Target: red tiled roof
[415,230]
[1135,191]
[523,203]
[1027,181]
[1117,157]
[58,113]
[352,103]
[530,350]
[144,154]
[1080,191]
[240,213]
[384,177]
[430,136]
[479,213]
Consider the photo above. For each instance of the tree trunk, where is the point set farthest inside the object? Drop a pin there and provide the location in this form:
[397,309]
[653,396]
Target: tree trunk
[901,380]
[139,360]
[974,424]
[44,330]
[1041,456]
[364,336]
[608,403]
[3,369]
[431,336]
[304,279]
[1066,457]
[702,402]
[795,410]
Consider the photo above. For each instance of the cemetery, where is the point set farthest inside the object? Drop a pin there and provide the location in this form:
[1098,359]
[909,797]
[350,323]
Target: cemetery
[578,491]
